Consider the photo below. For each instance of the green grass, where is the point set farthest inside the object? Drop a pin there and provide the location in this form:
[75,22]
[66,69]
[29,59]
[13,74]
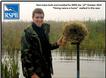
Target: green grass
[9,68]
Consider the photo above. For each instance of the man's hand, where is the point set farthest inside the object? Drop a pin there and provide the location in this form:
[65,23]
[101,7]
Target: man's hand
[35,76]
[61,41]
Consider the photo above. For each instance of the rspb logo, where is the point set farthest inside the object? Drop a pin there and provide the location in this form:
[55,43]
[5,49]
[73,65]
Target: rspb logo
[11,11]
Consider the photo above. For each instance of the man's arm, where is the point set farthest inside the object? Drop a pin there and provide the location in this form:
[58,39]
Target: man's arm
[60,42]
[54,46]
[46,28]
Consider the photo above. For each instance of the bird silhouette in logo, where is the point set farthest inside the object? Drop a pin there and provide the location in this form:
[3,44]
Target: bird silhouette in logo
[8,9]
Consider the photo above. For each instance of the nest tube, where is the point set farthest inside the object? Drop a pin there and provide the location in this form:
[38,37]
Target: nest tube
[75,32]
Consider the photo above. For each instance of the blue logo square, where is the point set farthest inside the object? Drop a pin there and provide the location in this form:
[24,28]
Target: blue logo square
[11,11]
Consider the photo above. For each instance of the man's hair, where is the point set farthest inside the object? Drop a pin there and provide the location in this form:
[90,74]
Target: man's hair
[37,10]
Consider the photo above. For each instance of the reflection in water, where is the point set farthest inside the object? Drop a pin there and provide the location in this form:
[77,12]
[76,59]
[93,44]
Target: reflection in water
[85,55]
[65,63]
[92,64]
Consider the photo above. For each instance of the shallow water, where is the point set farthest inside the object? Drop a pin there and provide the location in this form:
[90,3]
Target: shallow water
[65,66]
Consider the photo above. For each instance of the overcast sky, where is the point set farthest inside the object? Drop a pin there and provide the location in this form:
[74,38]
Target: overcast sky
[26,9]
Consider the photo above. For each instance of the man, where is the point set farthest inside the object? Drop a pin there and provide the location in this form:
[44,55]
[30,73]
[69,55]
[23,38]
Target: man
[35,48]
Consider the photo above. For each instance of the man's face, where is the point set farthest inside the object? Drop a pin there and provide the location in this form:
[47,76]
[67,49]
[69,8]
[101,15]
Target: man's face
[38,19]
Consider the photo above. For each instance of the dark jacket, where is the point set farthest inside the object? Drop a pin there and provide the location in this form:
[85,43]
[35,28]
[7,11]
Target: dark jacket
[32,54]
